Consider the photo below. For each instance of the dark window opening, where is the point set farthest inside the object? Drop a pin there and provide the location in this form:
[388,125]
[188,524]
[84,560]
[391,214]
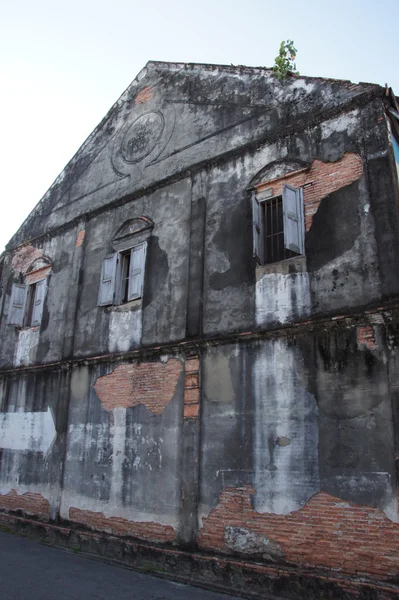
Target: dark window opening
[125,270]
[31,303]
[273,227]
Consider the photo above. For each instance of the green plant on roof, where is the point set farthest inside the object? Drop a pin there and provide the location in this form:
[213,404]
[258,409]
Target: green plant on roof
[285,61]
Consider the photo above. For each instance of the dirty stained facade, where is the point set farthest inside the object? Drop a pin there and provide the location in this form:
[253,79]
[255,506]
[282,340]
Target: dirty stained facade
[193,363]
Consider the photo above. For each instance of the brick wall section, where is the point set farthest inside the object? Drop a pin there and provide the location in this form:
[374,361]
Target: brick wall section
[80,238]
[324,177]
[151,383]
[29,503]
[24,257]
[327,532]
[150,532]
[37,275]
[365,337]
[143,96]
[191,389]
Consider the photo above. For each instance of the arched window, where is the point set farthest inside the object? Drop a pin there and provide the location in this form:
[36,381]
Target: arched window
[27,299]
[278,213]
[122,273]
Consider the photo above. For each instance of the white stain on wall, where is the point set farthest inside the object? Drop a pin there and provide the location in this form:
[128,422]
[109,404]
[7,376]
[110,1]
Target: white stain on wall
[286,431]
[124,330]
[33,431]
[282,297]
[118,433]
[28,340]
[346,122]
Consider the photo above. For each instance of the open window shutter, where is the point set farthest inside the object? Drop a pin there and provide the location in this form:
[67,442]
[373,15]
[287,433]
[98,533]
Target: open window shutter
[106,292]
[16,311]
[257,230]
[136,271]
[294,227]
[38,302]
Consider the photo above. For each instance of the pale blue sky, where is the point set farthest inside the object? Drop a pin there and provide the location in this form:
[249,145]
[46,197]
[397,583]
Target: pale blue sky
[63,64]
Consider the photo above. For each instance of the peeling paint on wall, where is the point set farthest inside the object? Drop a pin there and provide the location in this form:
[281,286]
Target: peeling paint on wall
[25,256]
[314,535]
[29,502]
[152,384]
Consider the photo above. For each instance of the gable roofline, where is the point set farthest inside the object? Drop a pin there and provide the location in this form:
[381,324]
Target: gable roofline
[245,69]
[367,90]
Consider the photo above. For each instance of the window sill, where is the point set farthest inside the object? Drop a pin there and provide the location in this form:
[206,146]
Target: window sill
[127,306]
[296,264]
[26,328]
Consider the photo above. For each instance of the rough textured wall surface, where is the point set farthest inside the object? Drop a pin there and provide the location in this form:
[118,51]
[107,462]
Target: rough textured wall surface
[243,410]
[315,535]
[151,384]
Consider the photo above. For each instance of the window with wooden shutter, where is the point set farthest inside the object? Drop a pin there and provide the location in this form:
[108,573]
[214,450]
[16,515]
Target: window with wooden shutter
[278,225]
[257,230]
[136,271]
[294,229]
[106,293]
[122,276]
[38,302]
[18,299]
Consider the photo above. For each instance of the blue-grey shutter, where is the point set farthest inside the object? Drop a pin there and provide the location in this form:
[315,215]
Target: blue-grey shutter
[16,312]
[109,268]
[257,230]
[294,226]
[136,271]
[38,302]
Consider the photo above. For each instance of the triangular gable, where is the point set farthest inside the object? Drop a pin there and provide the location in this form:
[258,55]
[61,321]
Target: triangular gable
[173,116]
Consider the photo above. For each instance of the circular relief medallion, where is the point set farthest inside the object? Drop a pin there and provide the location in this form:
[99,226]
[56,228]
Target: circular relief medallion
[142,137]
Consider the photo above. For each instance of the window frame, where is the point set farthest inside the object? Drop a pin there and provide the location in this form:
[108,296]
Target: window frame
[293,212]
[112,292]
[28,311]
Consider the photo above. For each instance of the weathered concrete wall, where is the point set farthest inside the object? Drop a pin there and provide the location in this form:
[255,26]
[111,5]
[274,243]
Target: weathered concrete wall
[119,458]
[294,444]
[244,410]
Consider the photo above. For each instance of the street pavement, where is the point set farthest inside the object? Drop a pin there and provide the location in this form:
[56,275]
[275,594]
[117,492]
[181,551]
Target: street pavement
[32,571]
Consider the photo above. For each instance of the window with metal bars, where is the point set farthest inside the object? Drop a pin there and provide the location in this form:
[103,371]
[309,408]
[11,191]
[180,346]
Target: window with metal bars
[278,224]
[273,229]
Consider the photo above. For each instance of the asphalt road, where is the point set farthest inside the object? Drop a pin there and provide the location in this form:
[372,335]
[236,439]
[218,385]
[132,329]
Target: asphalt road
[32,571]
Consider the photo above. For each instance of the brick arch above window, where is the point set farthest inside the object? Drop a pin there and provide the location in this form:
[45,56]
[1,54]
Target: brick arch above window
[29,295]
[313,183]
[38,269]
[122,273]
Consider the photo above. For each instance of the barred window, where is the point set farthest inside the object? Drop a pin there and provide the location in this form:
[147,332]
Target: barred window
[278,224]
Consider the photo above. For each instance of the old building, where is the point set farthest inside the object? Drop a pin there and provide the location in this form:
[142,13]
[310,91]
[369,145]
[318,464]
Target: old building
[199,327]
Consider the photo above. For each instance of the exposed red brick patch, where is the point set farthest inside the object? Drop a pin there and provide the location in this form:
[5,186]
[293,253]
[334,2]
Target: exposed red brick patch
[324,178]
[30,503]
[192,364]
[327,532]
[152,384]
[24,257]
[191,389]
[79,238]
[143,96]
[37,275]
[191,411]
[365,337]
[150,532]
